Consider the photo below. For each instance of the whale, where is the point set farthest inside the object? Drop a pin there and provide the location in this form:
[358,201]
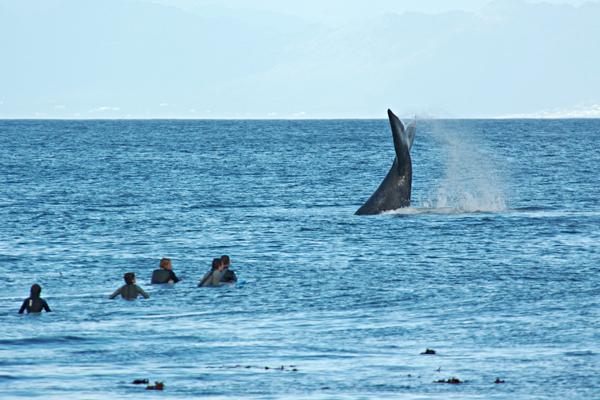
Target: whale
[394,190]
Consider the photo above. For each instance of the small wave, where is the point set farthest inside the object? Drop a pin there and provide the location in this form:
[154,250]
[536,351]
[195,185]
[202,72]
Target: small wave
[46,340]
[87,352]
[7,258]
[545,212]
[308,229]
[533,208]
[582,353]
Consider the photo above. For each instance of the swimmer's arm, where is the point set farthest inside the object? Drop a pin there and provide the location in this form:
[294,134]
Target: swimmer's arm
[173,277]
[204,279]
[23,306]
[45,305]
[115,293]
[142,292]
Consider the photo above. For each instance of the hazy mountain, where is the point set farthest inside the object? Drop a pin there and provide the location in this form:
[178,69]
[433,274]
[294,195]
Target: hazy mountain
[119,57]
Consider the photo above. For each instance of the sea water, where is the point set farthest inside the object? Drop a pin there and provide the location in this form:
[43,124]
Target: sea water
[495,265]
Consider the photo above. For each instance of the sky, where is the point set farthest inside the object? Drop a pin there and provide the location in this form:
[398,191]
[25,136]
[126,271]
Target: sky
[309,59]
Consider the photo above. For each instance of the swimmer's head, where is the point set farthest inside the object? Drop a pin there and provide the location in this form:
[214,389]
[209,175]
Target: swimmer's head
[129,278]
[225,260]
[36,290]
[216,263]
[165,263]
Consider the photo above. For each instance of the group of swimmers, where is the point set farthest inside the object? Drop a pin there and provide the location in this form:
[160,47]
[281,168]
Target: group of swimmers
[219,274]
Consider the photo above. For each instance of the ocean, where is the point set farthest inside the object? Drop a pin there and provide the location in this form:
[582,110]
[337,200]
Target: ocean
[495,265]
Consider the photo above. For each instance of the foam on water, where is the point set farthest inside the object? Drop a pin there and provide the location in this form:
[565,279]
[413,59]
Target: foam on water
[431,210]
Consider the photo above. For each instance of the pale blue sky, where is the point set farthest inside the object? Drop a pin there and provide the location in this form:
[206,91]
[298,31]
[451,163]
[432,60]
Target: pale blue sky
[310,59]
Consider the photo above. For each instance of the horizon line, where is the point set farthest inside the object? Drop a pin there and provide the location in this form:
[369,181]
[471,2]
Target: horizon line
[293,119]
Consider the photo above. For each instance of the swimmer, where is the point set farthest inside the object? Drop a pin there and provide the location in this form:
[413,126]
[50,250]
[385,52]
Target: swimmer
[214,276]
[34,303]
[228,274]
[165,273]
[130,290]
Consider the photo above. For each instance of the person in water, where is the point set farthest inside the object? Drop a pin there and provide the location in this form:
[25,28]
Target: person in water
[129,291]
[228,274]
[165,273]
[214,276]
[34,303]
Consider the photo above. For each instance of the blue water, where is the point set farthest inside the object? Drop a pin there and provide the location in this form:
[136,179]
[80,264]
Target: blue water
[495,266]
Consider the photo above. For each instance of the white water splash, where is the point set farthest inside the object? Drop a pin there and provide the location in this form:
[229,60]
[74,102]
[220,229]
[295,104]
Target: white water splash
[422,210]
[470,182]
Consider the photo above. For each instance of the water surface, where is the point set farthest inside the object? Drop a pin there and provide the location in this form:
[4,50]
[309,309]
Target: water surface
[495,266]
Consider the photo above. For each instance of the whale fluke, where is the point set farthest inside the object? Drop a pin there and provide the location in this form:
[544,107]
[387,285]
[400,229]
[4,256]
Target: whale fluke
[394,191]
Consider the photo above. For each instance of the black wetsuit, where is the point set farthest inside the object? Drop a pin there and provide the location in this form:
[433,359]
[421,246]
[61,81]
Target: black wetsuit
[34,305]
[164,276]
[129,292]
[229,276]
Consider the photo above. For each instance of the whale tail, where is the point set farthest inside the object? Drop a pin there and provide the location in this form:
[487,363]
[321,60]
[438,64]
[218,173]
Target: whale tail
[394,190]
[403,139]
